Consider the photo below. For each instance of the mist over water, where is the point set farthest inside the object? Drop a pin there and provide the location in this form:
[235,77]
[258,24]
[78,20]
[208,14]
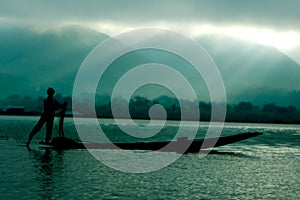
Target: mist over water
[265,167]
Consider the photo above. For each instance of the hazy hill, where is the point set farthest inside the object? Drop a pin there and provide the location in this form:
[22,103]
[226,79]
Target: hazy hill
[255,73]
[31,60]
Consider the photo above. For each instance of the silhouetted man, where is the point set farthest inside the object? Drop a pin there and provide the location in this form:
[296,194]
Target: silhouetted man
[50,105]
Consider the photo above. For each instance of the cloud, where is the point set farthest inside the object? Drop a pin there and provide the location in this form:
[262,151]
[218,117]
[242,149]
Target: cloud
[267,22]
[274,14]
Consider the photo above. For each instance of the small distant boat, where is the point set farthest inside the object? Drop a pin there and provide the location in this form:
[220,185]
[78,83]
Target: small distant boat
[179,146]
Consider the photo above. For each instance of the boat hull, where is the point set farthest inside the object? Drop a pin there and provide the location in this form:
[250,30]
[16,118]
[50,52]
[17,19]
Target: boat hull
[182,145]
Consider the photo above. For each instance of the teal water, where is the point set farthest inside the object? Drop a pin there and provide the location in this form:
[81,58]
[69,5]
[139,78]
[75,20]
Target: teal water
[265,167]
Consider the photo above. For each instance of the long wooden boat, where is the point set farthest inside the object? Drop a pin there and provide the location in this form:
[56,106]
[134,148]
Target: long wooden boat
[181,145]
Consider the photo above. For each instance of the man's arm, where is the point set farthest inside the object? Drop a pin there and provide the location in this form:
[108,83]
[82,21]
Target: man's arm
[58,105]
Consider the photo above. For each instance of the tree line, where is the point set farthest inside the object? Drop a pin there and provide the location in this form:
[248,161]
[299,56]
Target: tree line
[139,106]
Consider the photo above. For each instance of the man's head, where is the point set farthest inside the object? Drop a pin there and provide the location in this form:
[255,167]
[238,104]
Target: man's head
[50,91]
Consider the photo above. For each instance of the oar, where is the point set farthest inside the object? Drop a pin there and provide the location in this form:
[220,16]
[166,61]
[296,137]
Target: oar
[61,120]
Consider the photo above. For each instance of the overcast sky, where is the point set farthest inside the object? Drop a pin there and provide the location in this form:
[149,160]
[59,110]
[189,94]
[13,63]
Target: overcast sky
[272,22]
[275,14]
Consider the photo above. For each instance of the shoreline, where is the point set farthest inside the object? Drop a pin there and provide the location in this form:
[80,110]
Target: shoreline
[141,118]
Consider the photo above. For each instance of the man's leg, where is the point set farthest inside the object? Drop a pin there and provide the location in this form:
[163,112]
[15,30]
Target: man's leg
[36,129]
[49,127]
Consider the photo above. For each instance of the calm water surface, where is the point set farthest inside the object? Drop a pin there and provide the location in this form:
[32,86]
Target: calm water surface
[265,167]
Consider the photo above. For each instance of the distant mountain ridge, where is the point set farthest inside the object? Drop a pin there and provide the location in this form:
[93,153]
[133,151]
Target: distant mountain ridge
[32,60]
[250,71]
